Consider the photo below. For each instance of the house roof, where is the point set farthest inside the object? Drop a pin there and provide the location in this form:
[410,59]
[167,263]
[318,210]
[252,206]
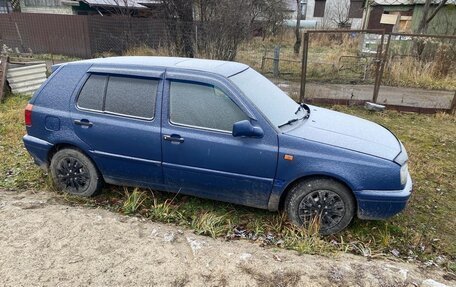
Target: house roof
[134,4]
[223,68]
[407,2]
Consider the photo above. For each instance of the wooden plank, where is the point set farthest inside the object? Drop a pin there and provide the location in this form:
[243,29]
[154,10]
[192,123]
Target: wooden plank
[3,66]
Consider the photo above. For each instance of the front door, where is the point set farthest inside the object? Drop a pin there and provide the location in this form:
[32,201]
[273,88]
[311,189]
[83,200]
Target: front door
[200,155]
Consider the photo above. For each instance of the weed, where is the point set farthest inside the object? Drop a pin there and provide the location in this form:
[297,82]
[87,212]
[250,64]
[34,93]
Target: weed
[165,211]
[211,224]
[306,240]
[134,201]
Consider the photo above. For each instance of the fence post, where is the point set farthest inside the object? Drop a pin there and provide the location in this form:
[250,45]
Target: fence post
[275,65]
[3,67]
[380,65]
[196,39]
[453,105]
[382,68]
[305,51]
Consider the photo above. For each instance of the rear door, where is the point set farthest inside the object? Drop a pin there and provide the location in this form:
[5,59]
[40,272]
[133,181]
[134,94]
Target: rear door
[117,116]
[200,155]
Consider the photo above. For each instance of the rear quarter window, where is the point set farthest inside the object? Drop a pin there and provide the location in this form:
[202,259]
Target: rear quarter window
[91,95]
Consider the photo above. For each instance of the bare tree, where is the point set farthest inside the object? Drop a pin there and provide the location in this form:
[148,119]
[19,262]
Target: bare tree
[268,15]
[180,23]
[297,45]
[428,15]
[124,9]
[338,13]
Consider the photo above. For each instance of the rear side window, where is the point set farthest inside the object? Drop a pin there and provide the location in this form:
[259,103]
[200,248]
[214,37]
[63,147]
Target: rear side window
[131,96]
[91,96]
[127,96]
[203,106]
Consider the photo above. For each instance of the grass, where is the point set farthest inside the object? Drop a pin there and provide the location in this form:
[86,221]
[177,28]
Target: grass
[424,231]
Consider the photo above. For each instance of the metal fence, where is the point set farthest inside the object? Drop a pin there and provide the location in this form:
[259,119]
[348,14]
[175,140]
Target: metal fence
[407,72]
[86,36]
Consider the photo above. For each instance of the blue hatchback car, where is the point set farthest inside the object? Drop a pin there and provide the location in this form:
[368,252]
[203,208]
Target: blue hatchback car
[213,129]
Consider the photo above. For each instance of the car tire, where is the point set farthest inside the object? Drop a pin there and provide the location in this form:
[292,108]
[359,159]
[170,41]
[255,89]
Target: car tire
[327,198]
[73,172]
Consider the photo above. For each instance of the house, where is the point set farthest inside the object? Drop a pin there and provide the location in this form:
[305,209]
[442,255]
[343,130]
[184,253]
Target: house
[89,7]
[330,13]
[403,16]
[5,7]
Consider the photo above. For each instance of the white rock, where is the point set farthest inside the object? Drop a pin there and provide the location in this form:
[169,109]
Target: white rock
[403,273]
[432,283]
[154,233]
[195,245]
[169,237]
[245,256]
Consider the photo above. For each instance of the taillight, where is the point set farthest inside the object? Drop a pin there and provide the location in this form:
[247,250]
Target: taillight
[28,115]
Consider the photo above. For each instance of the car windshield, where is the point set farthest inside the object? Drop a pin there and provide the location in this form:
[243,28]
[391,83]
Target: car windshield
[277,106]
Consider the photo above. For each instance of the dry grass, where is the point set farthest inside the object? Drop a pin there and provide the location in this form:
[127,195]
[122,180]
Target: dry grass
[327,62]
[274,279]
[408,72]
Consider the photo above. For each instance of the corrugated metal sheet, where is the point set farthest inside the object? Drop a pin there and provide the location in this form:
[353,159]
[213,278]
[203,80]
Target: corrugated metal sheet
[26,80]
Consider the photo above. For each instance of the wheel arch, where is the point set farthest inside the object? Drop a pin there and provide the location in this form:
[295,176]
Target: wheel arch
[292,184]
[56,147]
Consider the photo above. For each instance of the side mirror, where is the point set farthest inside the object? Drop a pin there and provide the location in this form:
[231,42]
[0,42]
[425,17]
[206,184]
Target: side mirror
[246,129]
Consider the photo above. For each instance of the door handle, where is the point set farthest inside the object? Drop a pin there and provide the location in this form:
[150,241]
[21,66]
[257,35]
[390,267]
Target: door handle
[173,138]
[83,122]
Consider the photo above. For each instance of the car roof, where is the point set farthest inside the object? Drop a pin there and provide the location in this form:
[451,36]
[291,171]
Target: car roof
[223,68]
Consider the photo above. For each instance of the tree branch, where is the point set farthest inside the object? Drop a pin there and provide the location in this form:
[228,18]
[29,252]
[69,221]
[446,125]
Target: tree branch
[436,10]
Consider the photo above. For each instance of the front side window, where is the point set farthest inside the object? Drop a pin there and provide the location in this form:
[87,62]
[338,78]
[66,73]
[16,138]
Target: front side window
[204,106]
[129,96]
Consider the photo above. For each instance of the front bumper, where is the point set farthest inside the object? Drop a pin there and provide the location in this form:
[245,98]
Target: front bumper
[381,204]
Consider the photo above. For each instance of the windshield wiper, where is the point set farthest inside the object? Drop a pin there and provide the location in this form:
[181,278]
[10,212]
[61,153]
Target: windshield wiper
[306,116]
[290,122]
[299,108]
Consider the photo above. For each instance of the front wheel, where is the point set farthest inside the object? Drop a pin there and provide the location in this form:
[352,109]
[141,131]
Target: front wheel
[326,200]
[74,172]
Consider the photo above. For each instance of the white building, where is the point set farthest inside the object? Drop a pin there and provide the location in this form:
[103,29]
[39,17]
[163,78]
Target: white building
[330,13]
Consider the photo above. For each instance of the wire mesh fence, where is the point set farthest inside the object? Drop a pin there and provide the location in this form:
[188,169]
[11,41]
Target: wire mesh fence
[401,70]
[88,36]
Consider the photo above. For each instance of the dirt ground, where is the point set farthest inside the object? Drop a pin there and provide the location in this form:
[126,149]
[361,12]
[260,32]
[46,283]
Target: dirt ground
[47,243]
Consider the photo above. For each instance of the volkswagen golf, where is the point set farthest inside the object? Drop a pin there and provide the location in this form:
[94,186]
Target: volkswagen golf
[212,129]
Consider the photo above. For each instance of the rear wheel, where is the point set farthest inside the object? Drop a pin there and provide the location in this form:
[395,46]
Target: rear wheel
[324,200]
[74,172]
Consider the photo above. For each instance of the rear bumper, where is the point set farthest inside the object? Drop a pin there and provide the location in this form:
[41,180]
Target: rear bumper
[38,149]
[381,204]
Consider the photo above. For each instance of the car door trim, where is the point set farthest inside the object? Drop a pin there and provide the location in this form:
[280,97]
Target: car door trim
[101,153]
[212,171]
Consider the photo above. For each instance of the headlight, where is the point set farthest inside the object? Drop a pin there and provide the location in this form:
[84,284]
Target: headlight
[404,173]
